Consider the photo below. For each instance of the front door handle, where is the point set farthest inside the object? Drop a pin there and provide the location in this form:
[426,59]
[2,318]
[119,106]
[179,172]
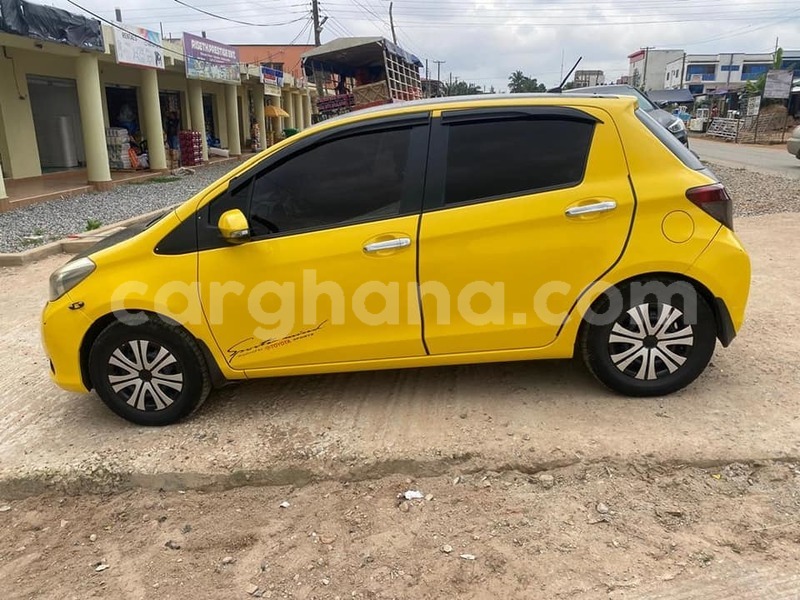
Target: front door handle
[394,244]
[588,209]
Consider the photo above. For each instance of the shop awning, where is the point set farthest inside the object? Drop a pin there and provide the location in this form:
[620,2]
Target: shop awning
[665,96]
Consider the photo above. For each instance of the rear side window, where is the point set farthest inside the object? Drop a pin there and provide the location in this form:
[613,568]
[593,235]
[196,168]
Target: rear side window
[500,158]
[685,155]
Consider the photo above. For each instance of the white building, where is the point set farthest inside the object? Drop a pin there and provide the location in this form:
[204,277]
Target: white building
[706,73]
[584,78]
[648,67]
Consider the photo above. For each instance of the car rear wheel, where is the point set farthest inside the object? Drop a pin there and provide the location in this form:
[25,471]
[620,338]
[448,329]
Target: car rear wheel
[150,373]
[656,344]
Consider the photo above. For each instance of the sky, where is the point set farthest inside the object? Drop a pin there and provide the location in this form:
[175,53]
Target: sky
[483,42]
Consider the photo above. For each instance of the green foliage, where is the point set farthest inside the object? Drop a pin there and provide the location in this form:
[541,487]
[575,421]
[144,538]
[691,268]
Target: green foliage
[92,224]
[519,83]
[755,87]
[462,88]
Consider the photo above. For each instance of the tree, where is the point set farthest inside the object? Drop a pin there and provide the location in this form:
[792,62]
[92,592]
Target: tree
[755,87]
[570,85]
[519,83]
[462,88]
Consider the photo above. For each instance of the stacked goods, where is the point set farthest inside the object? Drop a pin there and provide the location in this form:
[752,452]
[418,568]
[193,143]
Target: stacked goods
[371,93]
[191,147]
[335,104]
[117,142]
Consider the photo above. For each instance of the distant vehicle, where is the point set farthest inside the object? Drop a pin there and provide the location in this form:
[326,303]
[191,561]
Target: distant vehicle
[673,123]
[794,143]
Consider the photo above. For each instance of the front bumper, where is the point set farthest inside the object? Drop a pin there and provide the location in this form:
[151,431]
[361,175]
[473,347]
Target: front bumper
[63,330]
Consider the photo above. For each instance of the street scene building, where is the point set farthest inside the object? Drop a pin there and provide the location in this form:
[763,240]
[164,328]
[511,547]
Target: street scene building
[100,104]
[585,78]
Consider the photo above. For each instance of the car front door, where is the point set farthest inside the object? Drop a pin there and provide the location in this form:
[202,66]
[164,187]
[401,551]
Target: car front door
[525,207]
[329,272]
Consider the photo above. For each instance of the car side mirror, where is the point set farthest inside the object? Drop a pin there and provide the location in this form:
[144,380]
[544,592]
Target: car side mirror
[233,227]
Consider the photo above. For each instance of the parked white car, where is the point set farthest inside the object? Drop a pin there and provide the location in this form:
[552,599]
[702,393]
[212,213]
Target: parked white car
[794,143]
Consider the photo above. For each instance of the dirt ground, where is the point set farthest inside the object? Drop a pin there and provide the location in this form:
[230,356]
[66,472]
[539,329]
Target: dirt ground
[701,487]
[598,531]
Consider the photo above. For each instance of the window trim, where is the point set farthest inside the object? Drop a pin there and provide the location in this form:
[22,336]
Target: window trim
[418,123]
[439,140]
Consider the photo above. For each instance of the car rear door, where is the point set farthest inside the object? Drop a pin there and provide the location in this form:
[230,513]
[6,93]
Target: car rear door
[525,207]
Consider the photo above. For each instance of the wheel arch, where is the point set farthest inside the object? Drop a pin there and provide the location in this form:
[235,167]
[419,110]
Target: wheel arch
[217,377]
[722,319]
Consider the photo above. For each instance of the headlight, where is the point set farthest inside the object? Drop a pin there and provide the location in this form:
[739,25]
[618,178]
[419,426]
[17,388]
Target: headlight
[676,126]
[68,276]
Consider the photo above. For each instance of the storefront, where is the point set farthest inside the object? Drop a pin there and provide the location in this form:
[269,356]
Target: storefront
[57,122]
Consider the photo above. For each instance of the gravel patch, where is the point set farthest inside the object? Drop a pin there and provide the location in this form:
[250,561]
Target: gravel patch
[756,193]
[56,219]
[753,194]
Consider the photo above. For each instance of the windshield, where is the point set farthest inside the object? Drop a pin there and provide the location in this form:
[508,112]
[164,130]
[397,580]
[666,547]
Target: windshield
[619,90]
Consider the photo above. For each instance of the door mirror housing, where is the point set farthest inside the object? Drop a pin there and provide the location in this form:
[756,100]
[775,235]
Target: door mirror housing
[233,227]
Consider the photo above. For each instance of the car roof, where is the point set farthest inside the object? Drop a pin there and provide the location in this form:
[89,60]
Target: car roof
[482,101]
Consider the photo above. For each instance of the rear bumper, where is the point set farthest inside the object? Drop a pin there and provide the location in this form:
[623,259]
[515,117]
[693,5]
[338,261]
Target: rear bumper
[724,268]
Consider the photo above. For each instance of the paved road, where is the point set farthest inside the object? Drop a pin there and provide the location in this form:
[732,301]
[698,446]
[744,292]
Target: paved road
[418,421]
[773,159]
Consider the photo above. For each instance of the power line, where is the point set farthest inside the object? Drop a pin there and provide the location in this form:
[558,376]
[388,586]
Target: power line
[210,14]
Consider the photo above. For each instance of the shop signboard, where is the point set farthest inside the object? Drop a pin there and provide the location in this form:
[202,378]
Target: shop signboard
[138,46]
[753,104]
[209,60]
[272,80]
[778,84]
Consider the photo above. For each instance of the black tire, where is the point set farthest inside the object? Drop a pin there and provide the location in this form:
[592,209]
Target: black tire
[164,395]
[636,364]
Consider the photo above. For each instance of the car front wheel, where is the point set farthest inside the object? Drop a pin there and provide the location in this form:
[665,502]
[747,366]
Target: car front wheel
[150,373]
[654,343]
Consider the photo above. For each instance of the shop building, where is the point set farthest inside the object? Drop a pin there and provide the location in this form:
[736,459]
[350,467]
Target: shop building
[72,90]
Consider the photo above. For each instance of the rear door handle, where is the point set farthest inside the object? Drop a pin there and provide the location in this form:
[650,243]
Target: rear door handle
[403,242]
[588,209]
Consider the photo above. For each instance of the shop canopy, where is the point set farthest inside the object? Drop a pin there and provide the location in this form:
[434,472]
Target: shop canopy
[50,24]
[667,96]
[346,55]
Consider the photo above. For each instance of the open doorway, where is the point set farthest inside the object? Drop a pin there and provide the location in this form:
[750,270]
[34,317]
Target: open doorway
[57,123]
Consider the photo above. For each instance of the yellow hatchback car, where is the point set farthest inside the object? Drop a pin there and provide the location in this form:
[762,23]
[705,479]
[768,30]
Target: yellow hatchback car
[440,232]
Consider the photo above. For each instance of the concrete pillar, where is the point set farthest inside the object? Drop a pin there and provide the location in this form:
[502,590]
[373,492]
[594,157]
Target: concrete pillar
[288,122]
[2,185]
[245,126]
[277,122]
[232,112]
[297,100]
[196,112]
[154,130]
[258,99]
[90,100]
[307,109]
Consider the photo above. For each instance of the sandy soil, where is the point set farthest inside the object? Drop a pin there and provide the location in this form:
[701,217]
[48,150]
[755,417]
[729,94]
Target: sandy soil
[601,531]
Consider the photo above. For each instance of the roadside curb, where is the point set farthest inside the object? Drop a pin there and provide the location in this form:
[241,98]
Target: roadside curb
[77,243]
[101,480]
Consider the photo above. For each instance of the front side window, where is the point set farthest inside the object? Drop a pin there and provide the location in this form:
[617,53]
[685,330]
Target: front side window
[497,158]
[343,181]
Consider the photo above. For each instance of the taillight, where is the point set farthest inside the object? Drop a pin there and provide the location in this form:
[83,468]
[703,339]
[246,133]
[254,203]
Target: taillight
[714,200]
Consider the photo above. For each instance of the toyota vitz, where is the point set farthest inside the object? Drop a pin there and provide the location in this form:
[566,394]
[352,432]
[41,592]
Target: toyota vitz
[441,232]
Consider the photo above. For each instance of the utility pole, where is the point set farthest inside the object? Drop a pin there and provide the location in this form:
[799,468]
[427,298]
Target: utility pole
[683,68]
[118,14]
[644,76]
[391,22]
[439,64]
[317,26]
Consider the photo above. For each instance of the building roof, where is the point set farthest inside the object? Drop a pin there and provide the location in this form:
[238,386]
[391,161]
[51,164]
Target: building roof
[659,96]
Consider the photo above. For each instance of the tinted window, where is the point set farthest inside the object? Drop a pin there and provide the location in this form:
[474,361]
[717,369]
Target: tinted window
[352,179]
[685,155]
[506,157]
